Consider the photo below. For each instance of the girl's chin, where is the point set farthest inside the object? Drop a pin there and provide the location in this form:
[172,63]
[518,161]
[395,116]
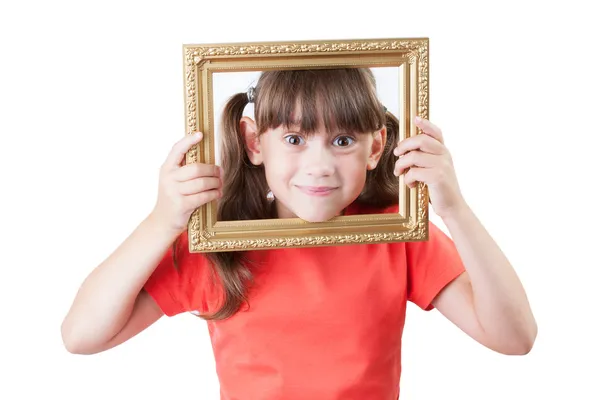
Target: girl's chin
[317,217]
[307,214]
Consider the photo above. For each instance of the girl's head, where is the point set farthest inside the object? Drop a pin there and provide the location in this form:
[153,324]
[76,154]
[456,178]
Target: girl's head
[315,144]
[319,141]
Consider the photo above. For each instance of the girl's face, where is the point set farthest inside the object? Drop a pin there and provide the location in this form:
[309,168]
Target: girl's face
[313,177]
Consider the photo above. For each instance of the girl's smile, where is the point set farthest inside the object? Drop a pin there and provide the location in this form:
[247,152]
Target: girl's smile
[316,190]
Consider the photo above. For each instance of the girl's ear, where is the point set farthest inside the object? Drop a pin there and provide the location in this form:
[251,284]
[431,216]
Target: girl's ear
[249,133]
[379,139]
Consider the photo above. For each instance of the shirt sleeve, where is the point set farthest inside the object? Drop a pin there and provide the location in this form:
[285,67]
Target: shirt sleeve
[431,266]
[178,289]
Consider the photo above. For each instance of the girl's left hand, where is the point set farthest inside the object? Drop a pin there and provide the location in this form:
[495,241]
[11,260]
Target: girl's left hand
[428,160]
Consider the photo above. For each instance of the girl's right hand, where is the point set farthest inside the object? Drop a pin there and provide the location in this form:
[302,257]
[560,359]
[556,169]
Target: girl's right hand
[182,189]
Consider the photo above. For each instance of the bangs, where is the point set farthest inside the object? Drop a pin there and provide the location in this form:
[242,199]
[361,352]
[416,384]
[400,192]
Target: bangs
[343,100]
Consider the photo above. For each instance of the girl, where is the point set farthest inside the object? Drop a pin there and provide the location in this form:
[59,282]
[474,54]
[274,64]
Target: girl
[307,323]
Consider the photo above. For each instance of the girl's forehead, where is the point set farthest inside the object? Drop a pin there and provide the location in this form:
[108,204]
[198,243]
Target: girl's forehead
[320,130]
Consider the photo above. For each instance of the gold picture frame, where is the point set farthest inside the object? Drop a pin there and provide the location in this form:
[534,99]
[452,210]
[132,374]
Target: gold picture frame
[201,61]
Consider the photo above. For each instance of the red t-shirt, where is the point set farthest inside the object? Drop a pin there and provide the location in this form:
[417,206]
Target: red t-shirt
[322,323]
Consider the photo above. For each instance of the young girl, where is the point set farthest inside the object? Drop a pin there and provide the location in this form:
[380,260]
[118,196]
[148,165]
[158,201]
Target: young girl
[306,323]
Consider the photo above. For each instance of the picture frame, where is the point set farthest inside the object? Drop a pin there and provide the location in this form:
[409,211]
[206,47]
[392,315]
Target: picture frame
[201,65]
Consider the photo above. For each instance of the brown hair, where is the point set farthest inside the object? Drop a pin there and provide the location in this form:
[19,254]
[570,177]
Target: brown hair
[343,99]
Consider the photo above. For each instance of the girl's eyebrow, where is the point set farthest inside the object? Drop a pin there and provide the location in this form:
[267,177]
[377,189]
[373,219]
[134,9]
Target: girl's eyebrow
[294,125]
[330,135]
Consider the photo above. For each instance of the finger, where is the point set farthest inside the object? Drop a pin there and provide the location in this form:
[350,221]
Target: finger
[424,143]
[415,158]
[197,170]
[429,129]
[196,200]
[416,175]
[198,185]
[180,148]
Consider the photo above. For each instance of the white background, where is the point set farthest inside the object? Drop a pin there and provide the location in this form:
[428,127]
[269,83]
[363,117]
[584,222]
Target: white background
[92,100]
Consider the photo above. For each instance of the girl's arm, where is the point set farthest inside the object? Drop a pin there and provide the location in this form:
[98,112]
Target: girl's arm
[488,302]
[110,306]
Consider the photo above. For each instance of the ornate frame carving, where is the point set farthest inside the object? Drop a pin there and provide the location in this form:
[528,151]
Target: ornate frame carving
[200,61]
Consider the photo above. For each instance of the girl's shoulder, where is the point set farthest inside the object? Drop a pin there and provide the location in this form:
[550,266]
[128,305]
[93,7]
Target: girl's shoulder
[181,280]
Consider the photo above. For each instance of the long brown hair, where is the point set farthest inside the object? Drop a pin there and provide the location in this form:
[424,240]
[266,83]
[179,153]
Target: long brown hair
[343,99]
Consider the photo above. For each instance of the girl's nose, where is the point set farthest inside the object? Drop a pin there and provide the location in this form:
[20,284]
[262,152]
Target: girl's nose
[319,160]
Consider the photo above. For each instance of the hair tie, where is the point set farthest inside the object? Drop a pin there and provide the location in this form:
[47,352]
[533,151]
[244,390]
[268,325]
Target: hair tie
[250,94]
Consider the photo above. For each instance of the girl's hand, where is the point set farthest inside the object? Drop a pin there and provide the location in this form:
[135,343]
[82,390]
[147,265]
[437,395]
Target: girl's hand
[425,158]
[182,189]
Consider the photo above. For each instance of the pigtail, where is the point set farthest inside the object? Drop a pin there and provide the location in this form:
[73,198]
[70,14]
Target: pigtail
[381,186]
[244,184]
[244,198]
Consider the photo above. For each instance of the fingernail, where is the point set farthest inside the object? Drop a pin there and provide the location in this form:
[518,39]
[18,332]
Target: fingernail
[418,119]
[198,134]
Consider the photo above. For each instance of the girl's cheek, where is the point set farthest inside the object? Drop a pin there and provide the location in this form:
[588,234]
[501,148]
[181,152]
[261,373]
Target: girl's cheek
[279,162]
[354,158]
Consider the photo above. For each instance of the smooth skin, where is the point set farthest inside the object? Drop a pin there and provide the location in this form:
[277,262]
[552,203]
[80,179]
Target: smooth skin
[96,322]
[487,302]
[296,163]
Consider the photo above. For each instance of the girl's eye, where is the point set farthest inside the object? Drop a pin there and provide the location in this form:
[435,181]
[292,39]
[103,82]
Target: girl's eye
[294,140]
[343,141]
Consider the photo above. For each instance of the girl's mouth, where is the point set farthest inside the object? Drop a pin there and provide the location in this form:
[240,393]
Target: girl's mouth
[317,190]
